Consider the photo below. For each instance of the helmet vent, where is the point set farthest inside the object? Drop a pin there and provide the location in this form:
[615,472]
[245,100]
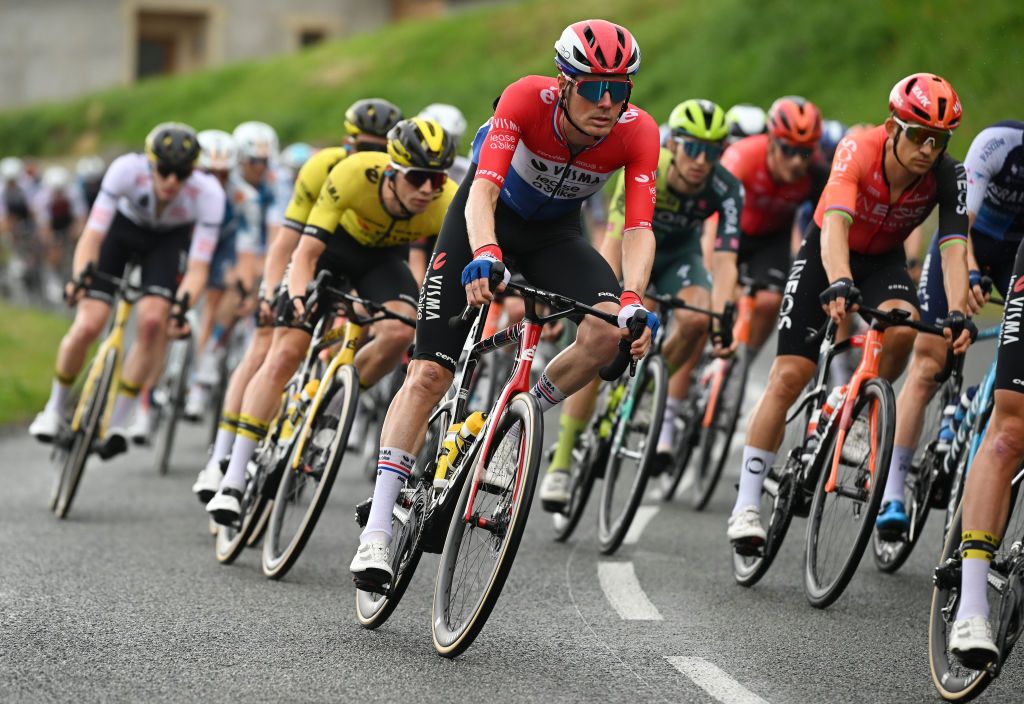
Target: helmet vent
[942,108]
[581,57]
[921,113]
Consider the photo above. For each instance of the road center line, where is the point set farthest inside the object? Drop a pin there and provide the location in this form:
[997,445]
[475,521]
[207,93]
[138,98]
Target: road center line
[714,681]
[644,514]
[622,589]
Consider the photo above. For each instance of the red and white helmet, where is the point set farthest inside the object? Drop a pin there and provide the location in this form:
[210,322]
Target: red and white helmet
[928,100]
[597,47]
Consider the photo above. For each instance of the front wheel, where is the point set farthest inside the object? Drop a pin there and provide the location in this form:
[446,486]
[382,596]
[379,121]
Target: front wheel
[842,519]
[725,403]
[177,388]
[486,528]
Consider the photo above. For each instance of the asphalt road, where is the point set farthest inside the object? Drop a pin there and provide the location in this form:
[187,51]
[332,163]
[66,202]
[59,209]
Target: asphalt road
[124,601]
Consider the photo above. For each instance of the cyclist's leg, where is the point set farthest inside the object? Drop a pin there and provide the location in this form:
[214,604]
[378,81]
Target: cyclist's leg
[766,258]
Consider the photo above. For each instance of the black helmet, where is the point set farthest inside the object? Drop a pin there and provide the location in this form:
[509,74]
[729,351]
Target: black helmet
[172,144]
[421,144]
[374,116]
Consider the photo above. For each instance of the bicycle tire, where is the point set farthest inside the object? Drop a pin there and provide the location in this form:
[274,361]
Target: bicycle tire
[176,401]
[725,415]
[232,540]
[687,443]
[340,403]
[81,445]
[451,639]
[581,482]
[613,525]
[877,393]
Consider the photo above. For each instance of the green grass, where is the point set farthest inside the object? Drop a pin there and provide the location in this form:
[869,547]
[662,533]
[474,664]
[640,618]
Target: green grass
[28,347]
[845,55]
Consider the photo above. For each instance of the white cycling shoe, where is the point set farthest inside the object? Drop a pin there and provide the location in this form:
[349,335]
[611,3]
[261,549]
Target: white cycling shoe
[972,643]
[226,506]
[208,481]
[195,403]
[141,429]
[554,491]
[745,531]
[46,425]
[371,566]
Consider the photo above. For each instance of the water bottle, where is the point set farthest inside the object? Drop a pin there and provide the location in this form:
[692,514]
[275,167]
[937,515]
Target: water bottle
[459,437]
[946,433]
[819,421]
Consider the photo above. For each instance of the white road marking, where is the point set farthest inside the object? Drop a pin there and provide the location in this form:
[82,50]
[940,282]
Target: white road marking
[714,681]
[622,589]
[644,514]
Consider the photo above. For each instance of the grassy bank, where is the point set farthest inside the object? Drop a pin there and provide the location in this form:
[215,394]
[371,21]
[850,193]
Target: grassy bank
[28,345]
[845,55]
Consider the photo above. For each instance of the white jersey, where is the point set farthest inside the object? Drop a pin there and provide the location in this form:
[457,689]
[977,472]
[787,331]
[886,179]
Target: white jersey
[128,189]
[58,209]
[246,213]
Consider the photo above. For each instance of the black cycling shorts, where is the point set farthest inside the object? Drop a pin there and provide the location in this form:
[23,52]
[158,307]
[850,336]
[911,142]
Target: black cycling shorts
[378,274]
[880,278]
[995,258]
[160,253]
[1010,357]
[551,254]
[765,258]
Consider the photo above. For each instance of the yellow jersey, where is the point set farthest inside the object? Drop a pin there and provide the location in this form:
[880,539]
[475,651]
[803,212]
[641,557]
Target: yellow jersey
[351,200]
[308,184]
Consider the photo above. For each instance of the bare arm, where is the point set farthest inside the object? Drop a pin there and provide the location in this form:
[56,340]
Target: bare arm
[483,197]
[304,265]
[278,254]
[418,264]
[835,255]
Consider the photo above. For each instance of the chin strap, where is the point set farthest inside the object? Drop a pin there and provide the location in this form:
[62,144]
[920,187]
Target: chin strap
[390,176]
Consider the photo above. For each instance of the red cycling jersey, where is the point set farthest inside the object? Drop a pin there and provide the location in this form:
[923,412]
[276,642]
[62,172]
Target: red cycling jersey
[859,187]
[768,206]
[522,150]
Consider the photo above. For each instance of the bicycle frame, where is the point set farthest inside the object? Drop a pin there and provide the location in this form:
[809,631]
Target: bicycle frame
[979,408]
[113,341]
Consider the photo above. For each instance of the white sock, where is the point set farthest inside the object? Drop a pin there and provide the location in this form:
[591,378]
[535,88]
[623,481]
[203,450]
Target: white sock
[124,406]
[973,589]
[756,464]
[241,453]
[393,468]
[901,458]
[58,396]
[547,393]
[666,438]
[222,445]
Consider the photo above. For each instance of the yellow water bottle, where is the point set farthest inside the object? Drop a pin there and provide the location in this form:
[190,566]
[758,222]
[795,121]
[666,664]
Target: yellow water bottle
[459,437]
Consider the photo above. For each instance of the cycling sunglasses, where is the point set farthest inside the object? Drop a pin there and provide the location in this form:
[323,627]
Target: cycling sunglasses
[791,150]
[595,90]
[920,135]
[417,177]
[182,172]
[693,148]
[258,161]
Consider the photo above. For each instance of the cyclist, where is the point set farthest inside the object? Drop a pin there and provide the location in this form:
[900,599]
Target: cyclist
[692,185]
[454,123]
[151,207]
[995,209]
[369,210]
[58,211]
[884,182]
[745,120]
[779,171]
[15,194]
[257,157]
[367,123]
[550,144]
[90,170]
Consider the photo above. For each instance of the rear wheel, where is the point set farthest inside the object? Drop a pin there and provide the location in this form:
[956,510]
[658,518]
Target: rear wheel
[842,521]
[687,437]
[581,481]
[174,408]
[716,436]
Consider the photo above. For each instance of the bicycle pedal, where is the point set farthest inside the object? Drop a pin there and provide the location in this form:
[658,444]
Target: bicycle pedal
[365,584]
[748,548]
[947,575]
[363,513]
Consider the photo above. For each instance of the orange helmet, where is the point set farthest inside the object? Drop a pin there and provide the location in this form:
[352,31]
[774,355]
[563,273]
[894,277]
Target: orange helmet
[928,100]
[796,120]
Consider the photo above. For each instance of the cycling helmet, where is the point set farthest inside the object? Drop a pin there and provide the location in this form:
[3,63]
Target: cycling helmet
[597,47]
[448,116]
[172,144]
[745,120]
[256,140]
[11,168]
[218,151]
[926,99]
[295,155]
[699,118]
[374,116]
[57,178]
[831,132]
[795,120]
[421,144]
[90,168]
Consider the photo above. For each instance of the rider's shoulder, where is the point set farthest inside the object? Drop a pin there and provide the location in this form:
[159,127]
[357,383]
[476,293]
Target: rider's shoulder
[723,181]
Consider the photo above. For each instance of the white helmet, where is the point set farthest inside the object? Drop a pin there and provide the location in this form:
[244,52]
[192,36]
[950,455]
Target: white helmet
[296,154]
[11,168]
[256,140]
[217,151]
[57,178]
[448,116]
[745,120]
[90,168]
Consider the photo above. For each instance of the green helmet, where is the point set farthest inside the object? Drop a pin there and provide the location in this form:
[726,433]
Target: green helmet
[699,118]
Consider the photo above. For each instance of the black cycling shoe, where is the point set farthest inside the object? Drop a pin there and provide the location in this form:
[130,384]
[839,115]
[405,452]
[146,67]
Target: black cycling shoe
[114,444]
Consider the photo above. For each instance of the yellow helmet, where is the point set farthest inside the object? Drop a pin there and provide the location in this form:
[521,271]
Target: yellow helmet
[420,143]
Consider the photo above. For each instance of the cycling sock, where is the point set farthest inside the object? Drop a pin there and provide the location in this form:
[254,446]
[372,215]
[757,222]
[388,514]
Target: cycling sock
[666,438]
[977,547]
[547,393]
[226,433]
[250,431]
[755,466]
[901,458]
[393,468]
[124,404]
[58,394]
[570,431]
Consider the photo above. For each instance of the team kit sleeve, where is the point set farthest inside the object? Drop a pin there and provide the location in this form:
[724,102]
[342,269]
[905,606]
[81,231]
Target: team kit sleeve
[247,237]
[330,204]
[505,132]
[209,218]
[116,183]
[840,192]
[951,200]
[641,174]
[984,159]
[304,195]
[729,208]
